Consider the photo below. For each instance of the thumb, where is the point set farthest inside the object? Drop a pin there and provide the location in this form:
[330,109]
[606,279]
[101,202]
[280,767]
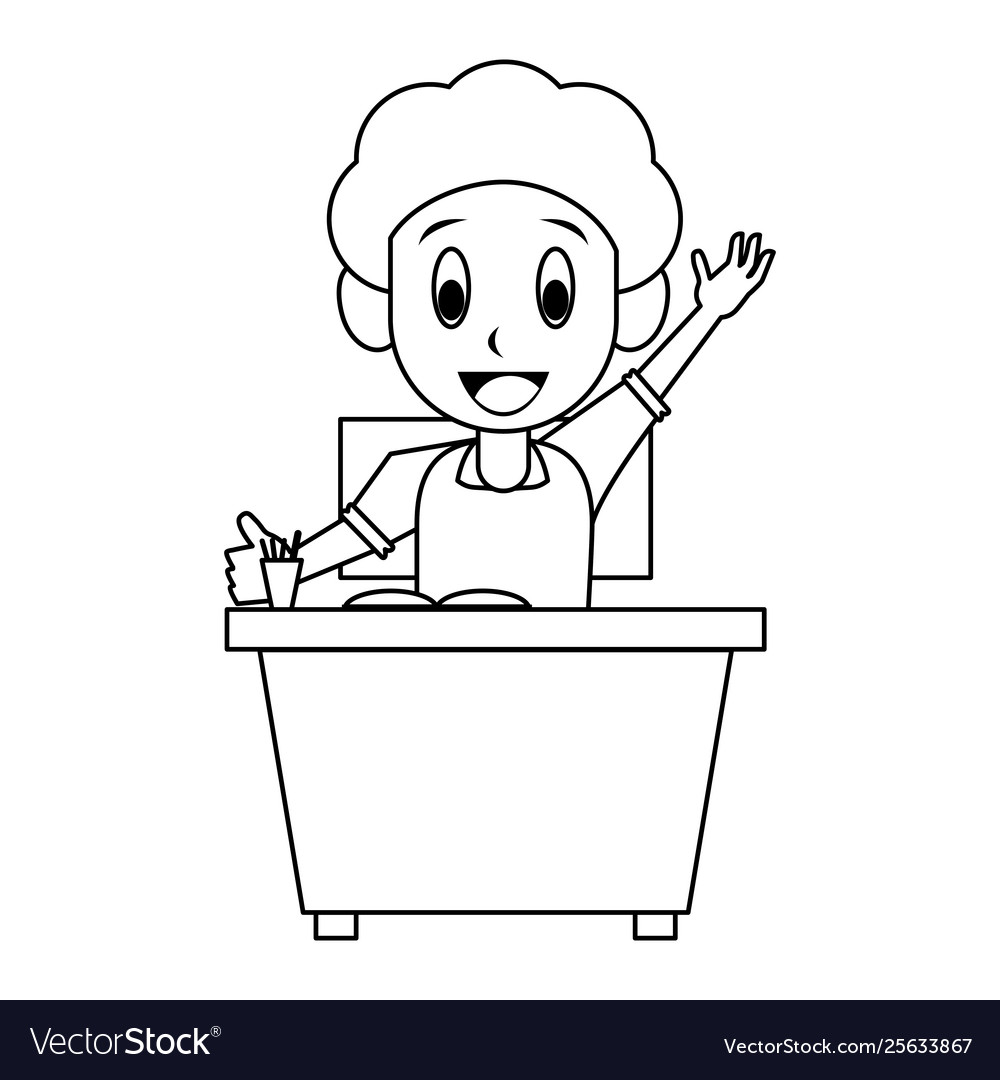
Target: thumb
[250,528]
[700,264]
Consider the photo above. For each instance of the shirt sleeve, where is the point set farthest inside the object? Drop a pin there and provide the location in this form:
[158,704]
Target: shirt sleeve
[601,437]
[385,510]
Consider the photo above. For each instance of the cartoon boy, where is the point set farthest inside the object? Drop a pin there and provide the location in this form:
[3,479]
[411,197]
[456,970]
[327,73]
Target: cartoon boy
[504,235]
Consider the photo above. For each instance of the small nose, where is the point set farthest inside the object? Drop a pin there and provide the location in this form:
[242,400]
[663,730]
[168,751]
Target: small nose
[493,342]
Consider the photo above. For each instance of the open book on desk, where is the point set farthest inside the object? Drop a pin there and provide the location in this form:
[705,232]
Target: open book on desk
[466,598]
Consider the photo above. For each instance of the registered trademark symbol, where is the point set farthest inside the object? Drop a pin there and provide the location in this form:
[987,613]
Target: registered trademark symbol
[216,1030]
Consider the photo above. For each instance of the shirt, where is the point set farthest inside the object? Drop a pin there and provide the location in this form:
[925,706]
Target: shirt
[534,541]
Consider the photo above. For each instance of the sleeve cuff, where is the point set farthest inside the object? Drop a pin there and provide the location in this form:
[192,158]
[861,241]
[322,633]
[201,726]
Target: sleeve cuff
[654,404]
[368,531]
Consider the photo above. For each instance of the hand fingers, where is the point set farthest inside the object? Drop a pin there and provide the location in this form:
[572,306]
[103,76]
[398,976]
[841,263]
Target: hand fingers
[246,582]
[762,267]
[735,249]
[700,264]
[751,253]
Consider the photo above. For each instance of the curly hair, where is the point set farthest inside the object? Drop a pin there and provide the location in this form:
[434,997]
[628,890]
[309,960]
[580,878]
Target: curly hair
[505,120]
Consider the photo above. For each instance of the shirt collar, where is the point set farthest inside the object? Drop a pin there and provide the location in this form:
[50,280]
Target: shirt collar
[468,475]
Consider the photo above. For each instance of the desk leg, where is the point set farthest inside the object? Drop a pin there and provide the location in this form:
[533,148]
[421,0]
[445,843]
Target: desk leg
[654,927]
[335,927]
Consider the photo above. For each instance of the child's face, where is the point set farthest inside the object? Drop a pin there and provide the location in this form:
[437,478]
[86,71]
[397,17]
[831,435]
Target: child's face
[503,315]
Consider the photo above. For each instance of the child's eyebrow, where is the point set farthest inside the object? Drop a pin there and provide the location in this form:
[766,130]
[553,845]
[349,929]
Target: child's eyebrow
[567,225]
[439,225]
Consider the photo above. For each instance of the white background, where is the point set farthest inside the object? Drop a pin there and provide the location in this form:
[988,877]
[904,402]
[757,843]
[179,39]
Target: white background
[172,355]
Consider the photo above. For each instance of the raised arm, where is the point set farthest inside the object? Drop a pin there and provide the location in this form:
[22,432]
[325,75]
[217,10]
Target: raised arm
[603,435]
[717,296]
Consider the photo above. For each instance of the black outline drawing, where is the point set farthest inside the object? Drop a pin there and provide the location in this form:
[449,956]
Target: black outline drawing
[647,924]
[466,292]
[520,581]
[555,324]
[368,565]
[562,86]
[490,184]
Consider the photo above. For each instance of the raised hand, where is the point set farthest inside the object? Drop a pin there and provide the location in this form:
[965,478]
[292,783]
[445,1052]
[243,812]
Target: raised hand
[723,293]
[246,581]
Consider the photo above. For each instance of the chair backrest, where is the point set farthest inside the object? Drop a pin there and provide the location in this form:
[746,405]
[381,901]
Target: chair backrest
[623,532]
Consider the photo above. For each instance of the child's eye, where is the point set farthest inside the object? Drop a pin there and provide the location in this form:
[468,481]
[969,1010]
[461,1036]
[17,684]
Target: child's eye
[554,287]
[450,287]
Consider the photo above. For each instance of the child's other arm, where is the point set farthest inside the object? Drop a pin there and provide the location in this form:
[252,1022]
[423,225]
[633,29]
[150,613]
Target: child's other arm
[383,512]
[350,537]
[333,546]
[380,516]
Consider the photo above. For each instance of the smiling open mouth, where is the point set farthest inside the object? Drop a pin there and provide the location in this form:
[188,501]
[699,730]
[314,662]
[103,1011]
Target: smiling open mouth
[503,392]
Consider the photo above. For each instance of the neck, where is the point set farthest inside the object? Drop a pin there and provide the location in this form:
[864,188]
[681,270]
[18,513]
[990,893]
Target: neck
[503,458]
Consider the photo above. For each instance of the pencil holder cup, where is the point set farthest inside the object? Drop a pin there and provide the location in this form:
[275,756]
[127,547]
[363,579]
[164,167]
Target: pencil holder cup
[281,581]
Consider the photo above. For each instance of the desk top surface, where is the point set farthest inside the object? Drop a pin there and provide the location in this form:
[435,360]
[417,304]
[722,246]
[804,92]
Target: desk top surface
[500,629]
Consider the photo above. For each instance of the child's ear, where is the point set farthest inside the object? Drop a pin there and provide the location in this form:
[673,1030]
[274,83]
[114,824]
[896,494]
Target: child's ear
[364,311]
[642,313]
